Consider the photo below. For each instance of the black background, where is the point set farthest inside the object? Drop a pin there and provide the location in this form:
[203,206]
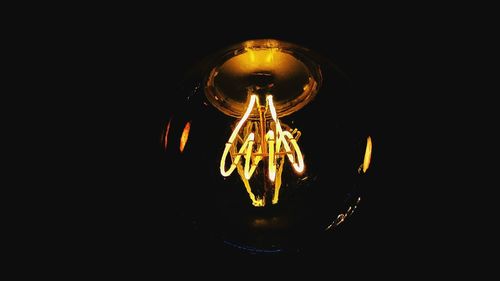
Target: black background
[123,72]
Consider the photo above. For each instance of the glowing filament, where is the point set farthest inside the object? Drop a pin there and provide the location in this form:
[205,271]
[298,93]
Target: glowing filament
[256,146]
[299,167]
[232,138]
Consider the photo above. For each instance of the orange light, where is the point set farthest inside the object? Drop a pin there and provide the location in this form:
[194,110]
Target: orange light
[368,154]
[184,136]
[165,140]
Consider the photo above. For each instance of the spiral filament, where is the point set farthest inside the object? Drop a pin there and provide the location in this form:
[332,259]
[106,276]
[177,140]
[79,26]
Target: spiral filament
[264,140]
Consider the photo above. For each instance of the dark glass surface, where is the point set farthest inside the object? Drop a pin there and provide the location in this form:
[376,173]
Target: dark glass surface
[126,74]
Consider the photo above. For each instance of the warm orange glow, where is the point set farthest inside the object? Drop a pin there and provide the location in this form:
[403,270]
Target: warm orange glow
[264,57]
[184,136]
[368,154]
[266,65]
[167,129]
[251,54]
[270,54]
[255,146]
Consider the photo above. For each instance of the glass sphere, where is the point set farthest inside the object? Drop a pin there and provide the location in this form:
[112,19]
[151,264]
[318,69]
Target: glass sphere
[269,146]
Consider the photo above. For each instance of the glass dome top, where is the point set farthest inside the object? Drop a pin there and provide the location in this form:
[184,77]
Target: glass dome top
[263,67]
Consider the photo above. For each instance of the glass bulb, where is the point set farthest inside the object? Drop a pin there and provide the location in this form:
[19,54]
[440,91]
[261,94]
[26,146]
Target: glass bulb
[266,146]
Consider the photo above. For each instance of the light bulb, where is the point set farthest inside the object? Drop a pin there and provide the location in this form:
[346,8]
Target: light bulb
[266,146]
